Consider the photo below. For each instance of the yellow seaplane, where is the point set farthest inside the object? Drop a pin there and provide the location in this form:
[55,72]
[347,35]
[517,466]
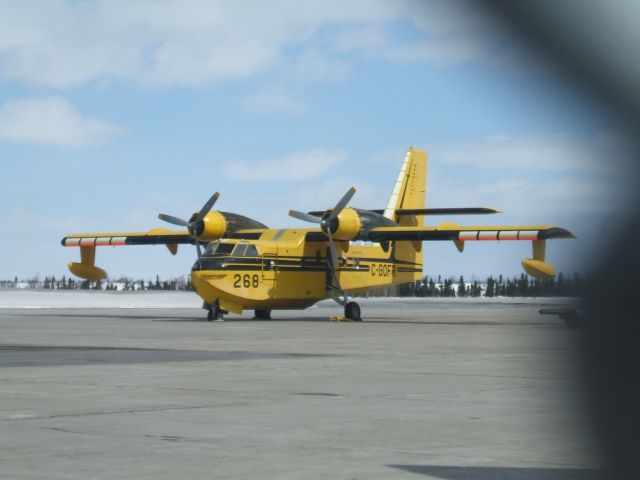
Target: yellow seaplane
[244,265]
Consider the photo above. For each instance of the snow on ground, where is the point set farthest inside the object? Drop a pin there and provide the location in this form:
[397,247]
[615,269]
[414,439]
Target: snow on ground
[13,298]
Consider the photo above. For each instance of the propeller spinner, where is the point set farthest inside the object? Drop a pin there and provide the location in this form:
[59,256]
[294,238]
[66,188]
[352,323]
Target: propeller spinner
[195,225]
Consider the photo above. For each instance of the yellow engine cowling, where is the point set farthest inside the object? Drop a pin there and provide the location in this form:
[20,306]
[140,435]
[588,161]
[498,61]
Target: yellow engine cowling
[349,225]
[212,227]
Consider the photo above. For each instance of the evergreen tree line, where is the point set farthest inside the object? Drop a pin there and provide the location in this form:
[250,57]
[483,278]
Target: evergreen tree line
[500,286]
[123,283]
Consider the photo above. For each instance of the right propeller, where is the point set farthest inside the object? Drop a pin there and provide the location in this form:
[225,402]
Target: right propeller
[196,225]
[328,223]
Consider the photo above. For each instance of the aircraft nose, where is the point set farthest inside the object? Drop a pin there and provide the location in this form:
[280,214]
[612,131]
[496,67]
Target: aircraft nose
[208,263]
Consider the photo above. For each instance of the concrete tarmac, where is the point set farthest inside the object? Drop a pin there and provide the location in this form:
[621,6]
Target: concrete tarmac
[446,390]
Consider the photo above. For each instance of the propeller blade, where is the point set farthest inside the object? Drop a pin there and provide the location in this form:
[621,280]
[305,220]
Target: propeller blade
[334,253]
[206,207]
[334,263]
[173,220]
[305,217]
[191,226]
[342,203]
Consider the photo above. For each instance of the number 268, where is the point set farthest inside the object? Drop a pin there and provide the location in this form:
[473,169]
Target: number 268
[246,281]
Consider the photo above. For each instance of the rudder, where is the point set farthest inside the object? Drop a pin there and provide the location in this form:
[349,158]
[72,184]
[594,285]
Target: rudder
[410,188]
[409,191]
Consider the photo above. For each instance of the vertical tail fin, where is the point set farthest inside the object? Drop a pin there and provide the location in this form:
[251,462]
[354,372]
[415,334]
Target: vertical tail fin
[410,188]
[409,191]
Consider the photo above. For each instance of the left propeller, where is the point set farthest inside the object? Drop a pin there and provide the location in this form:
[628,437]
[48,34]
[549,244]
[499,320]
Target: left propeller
[196,224]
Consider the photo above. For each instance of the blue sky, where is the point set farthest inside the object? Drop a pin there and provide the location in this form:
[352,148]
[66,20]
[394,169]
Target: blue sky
[111,112]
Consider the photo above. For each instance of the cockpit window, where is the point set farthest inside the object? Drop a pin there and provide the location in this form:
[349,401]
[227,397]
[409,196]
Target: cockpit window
[218,248]
[211,248]
[239,250]
[224,249]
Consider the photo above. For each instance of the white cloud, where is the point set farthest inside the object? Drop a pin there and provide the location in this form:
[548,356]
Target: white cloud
[442,33]
[269,102]
[605,151]
[313,65]
[52,121]
[550,175]
[324,195]
[515,196]
[64,43]
[295,166]
[60,223]
[361,37]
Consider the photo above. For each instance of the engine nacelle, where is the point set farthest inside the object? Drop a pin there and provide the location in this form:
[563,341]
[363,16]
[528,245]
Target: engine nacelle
[348,225]
[217,224]
[212,227]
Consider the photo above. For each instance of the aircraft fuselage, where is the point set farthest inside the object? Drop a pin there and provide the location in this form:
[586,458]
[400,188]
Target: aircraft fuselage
[282,269]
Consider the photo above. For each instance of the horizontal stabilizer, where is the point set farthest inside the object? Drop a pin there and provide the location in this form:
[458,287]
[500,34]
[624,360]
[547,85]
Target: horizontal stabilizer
[447,211]
[429,211]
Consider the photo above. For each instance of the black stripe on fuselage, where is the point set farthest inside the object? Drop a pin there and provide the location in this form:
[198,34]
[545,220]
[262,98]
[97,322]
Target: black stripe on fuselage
[391,259]
[291,263]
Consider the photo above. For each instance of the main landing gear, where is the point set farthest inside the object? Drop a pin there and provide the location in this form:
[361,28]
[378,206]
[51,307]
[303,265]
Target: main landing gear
[215,313]
[352,311]
[262,314]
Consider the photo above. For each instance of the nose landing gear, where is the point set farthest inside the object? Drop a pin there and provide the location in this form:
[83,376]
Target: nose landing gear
[215,313]
[352,311]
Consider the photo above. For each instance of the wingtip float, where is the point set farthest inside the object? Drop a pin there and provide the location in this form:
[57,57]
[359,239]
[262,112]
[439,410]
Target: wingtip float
[246,265]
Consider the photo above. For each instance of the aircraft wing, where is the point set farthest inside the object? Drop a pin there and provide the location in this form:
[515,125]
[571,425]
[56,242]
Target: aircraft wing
[89,241]
[536,234]
[158,236]
[464,234]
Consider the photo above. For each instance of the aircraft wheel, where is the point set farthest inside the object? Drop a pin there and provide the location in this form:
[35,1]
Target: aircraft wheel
[215,314]
[262,314]
[352,311]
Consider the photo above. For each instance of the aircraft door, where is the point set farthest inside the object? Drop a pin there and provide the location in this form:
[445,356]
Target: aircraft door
[270,265]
